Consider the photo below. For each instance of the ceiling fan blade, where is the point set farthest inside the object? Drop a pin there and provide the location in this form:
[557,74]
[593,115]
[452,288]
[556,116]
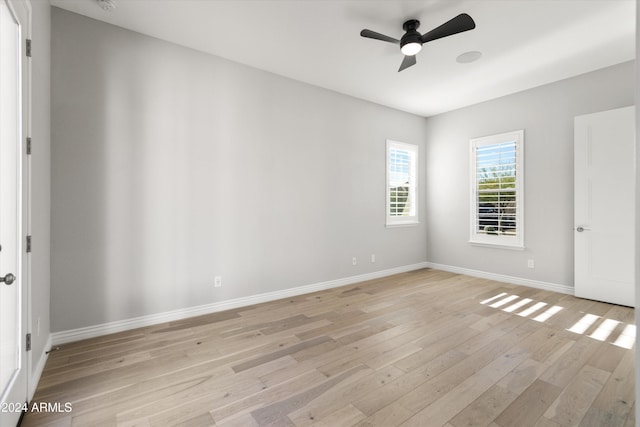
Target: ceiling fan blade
[373,35]
[407,62]
[459,24]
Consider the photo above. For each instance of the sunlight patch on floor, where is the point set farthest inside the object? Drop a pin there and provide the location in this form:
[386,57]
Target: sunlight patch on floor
[627,338]
[504,301]
[546,315]
[493,298]
[535,307]
[583,324]
[596,327]
[517,305]
[604,330]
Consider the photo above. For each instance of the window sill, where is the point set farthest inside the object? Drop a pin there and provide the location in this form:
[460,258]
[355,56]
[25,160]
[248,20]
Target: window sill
[497,245]
[403,224]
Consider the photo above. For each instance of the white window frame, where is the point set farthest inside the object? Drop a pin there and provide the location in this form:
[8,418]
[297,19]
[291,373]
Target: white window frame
[411,217]
[482,238]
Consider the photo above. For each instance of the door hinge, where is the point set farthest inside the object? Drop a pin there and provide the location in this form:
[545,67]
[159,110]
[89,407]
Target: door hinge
[28,145]
[28,244]
[28,342]
[28,48]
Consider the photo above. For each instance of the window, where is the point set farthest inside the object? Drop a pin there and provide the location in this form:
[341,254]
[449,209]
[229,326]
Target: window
[497,203]
[402,183]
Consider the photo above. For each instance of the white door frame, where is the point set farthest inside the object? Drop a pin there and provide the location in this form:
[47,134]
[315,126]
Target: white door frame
[26,181]
[22,10]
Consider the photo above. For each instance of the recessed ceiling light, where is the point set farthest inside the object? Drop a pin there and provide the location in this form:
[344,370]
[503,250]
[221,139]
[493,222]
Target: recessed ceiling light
[468,57]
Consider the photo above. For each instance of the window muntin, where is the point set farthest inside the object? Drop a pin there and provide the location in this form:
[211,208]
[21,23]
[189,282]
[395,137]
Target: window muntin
[402,190]
[497,203]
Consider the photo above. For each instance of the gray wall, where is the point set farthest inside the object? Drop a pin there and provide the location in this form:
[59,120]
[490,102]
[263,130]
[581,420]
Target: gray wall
[40,178]
[171,166]
[546,114]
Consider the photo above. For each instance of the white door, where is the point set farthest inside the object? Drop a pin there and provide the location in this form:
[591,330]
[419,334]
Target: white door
[604,212]
[13,372]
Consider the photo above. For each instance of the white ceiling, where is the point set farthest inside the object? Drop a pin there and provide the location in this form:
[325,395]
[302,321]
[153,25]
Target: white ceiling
[525,43]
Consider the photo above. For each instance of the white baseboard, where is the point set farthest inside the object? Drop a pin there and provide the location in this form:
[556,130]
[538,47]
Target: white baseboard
[36,371]
[503,278]
[169,316]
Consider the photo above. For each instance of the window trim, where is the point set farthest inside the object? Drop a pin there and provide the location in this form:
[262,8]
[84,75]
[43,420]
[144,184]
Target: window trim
[481,239]
[400,221]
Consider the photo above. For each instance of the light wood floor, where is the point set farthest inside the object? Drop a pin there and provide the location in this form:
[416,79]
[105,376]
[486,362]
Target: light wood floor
[425,348]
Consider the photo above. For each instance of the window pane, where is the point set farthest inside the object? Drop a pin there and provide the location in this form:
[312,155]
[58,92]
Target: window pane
[496,179]
[401,182]
[496,205]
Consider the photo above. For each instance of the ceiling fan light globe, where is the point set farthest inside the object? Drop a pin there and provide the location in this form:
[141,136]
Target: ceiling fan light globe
[411,49]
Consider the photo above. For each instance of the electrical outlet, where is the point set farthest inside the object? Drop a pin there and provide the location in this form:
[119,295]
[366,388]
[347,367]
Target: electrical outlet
[217,282]
[373,258]
[531,263]
[354,261]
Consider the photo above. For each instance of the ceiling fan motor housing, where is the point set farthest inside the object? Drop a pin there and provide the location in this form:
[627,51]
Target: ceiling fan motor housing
[411,35]
[412,41]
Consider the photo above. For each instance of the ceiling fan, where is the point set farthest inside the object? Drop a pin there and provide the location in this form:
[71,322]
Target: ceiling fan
[412,41]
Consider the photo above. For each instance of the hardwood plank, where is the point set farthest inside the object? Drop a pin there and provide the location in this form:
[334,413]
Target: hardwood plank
[546,422]
[631,419]
[346,416]
[546,340]
[392,391]
[240,420]
[430,352]
[489,335]
[388,416]
[446,407]
[285,351]
[280,410]
[201,420]
[567,367]
[485,408]
[329,403]
[495,400]
[615,401]
[607,357]
[435,388]
[574,401]
[266,396]
[527,409]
